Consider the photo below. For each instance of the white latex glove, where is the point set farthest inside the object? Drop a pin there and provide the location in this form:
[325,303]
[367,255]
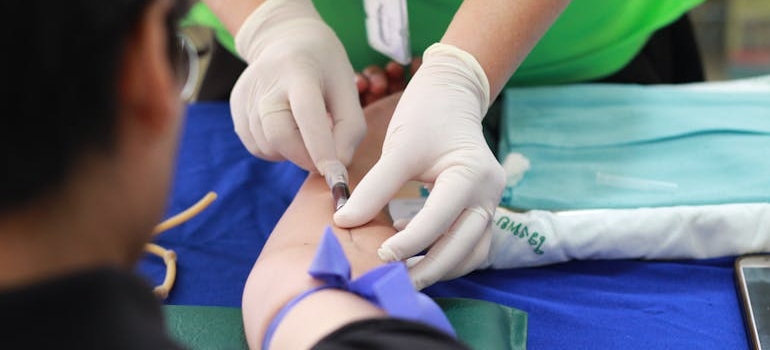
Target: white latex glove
[435,136]
[297,72]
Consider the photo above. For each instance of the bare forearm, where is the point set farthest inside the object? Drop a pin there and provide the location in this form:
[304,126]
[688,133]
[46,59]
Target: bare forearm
[280,273]
[501,33]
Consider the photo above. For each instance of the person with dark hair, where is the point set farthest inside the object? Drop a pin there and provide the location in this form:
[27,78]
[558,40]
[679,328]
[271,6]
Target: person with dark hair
[87,146]
[85,177]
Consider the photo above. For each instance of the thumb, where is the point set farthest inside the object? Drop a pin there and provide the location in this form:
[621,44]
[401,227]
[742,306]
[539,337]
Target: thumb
[373,192]
[309,110]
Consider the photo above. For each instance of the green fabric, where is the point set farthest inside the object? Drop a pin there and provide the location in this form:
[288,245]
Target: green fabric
[201,15]
[206,327]
[481,324]
[485,325]
[591,39]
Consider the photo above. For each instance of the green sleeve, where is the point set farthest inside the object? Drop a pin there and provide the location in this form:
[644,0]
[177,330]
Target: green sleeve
[201,15]
[591,39]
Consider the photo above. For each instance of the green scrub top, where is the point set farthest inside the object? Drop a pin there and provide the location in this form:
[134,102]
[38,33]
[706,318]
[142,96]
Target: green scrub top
[591,39]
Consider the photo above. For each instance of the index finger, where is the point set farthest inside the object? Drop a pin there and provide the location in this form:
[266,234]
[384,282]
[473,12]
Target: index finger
[373,192]
[315,126]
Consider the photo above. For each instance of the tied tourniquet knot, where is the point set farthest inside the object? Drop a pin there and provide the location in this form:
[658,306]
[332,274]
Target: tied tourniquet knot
[387,286]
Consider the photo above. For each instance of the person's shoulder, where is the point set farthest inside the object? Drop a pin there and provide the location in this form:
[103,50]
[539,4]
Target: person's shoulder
[99,309]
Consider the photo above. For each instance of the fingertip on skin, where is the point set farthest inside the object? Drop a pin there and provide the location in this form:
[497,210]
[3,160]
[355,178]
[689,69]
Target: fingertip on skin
[372,193]
[347,217]
[341,218]
[400,224]
[386,254]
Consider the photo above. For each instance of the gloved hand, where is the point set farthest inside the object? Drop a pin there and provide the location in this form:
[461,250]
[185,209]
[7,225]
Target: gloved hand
[297,72]
[435,136]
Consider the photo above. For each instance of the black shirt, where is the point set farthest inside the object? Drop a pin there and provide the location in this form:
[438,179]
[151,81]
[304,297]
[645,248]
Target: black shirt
[388,334]
[98,309]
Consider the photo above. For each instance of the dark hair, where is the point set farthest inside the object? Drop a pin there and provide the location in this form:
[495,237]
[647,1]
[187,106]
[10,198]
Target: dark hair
[59,87]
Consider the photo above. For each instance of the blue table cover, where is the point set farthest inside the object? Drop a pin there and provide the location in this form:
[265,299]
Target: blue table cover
[620,304]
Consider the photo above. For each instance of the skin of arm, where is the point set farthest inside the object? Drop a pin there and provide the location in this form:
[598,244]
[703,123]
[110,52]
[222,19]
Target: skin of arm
[501,33]
[280,272]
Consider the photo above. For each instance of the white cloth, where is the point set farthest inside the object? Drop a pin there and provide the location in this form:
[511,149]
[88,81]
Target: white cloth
[542,237]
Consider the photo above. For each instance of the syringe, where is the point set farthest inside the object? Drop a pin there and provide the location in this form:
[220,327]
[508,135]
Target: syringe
[337,178]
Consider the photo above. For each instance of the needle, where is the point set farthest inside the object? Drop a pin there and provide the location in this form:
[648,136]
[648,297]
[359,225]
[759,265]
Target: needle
[337,178]
[340,194]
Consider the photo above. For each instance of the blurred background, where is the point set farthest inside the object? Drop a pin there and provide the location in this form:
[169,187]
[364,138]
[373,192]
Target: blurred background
[734,37]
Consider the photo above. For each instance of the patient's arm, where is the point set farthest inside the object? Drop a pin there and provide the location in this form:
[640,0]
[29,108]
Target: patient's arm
[280,273]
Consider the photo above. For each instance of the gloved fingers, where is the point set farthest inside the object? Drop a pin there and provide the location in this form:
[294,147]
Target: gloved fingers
[442,208]
[245,112]
[348,119]
[238,110]
[315,126]
[456,253]
[373,192]
[477,259]
[413,261]
[400,224]
[348,134]
[283,136]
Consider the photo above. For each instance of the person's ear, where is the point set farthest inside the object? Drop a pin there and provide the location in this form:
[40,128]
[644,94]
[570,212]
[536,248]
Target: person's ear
[147,87]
